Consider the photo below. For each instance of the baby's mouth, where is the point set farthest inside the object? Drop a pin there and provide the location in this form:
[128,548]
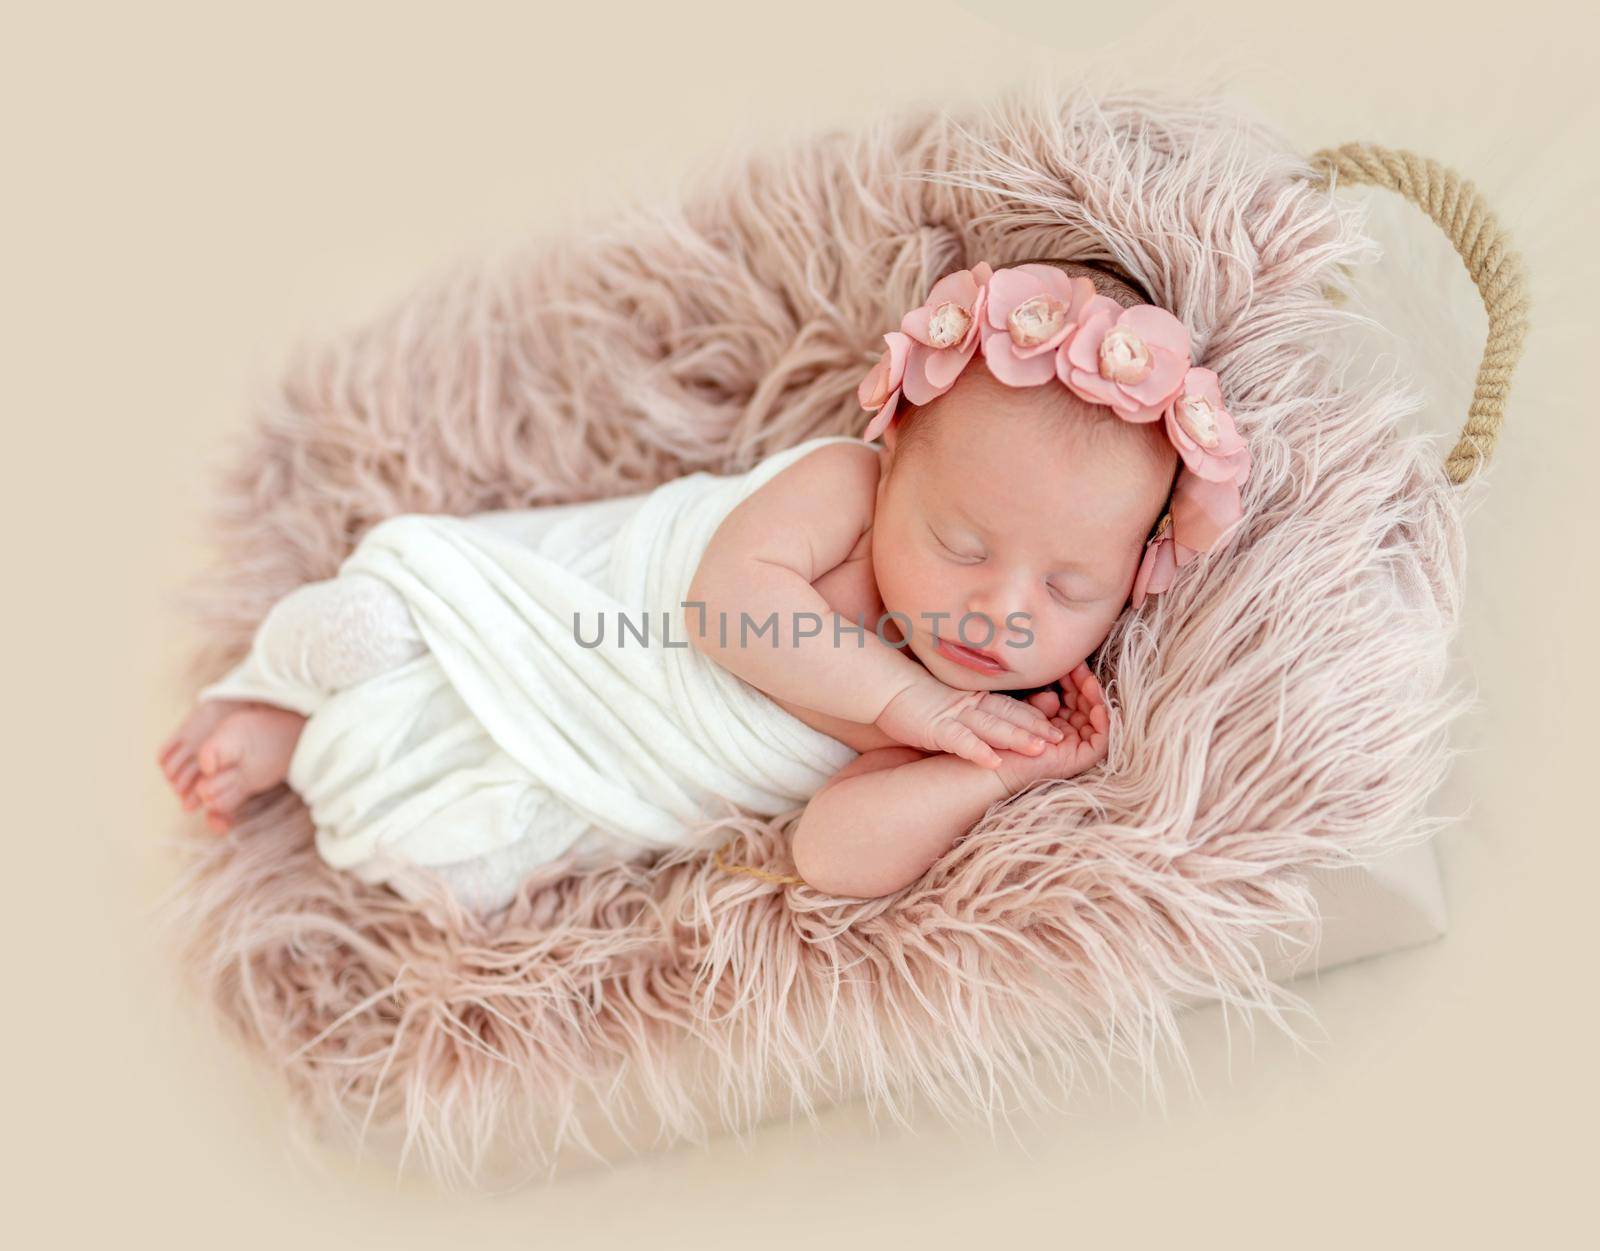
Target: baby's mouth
[970,653]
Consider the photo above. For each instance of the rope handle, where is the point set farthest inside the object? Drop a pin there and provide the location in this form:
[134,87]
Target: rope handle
[1454,205]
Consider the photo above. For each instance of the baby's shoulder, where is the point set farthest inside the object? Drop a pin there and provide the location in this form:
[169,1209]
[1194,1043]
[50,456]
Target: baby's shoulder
[836,469]
[809,515]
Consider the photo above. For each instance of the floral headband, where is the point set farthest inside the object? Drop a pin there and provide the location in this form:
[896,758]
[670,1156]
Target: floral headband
[1037,325]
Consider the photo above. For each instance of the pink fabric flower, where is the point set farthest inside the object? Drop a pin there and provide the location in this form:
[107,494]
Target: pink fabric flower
[945,331]
[880,389]
[1159,566]
[1031,311]
[1205,497]
[1202,512]
[1131,359]
[1203,431]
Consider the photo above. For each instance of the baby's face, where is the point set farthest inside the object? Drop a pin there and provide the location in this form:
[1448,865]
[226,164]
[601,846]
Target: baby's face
[1036,526]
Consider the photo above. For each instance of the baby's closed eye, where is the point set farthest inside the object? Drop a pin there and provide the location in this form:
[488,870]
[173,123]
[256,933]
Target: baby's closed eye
[1079,593]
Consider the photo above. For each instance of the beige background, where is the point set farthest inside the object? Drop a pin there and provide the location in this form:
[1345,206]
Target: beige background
[189,190]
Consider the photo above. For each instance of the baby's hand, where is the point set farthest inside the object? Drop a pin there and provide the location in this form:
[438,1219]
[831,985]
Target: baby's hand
[970,724]
[1080,710]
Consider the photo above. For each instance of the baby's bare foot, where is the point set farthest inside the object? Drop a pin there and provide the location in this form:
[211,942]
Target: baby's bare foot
[179,755]
[246,753]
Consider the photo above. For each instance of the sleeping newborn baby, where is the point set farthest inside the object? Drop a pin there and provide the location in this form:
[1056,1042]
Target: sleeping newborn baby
[894,636]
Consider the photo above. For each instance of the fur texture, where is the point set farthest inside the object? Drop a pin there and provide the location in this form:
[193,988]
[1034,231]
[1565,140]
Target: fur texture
[1282,707]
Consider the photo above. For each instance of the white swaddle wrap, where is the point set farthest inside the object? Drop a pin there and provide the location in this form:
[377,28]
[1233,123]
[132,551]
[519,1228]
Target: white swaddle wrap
[509,742]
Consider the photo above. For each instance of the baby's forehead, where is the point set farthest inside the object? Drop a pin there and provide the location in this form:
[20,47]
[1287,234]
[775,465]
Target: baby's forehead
[1033,426]
[1058,481]
[977,393]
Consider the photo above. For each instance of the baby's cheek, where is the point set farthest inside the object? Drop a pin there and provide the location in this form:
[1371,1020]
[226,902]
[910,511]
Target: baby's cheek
[1062,643]
[902,579]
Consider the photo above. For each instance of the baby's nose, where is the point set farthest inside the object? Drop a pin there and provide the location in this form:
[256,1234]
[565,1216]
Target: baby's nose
[1005,604]
[984,621]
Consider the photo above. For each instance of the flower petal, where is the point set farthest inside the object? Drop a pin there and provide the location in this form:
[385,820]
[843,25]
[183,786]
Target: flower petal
[1215,468]
[1000,355]
[1229,440]
[1178,436]
[1157,570]
[1205,383]
[1086,384]
[1047,347]
[915,323]
[979,311]
[1164,380]
[1083,294]
[959,285]
[899,349]
[916,385]
[1020,283]
[1202,511]
[1158,328]
[1101,304]
[1082,347]
[1182,554]
[881,420]
[876,382]
[1229,460]
[885,376]
[1007,289]
[1129,409]
[943,368]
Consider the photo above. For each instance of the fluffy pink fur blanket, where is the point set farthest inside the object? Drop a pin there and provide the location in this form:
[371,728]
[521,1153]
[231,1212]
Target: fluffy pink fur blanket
[1281,708]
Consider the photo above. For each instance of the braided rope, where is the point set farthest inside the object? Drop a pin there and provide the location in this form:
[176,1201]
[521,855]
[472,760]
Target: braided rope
[1454,205]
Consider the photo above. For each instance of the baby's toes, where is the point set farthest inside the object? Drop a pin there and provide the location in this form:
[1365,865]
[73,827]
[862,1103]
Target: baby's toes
[184,780]
[174,767]
[175,762]
[222,792]
[219,752]
[167,754]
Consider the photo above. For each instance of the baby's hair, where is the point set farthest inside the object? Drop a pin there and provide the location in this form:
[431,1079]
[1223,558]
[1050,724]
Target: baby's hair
[1109,278]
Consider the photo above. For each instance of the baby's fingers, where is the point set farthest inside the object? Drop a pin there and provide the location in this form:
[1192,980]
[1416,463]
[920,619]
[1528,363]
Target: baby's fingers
[1047,702]
[1088,687]
[1013,723]
[1093,724]
[989,729]
[960,741]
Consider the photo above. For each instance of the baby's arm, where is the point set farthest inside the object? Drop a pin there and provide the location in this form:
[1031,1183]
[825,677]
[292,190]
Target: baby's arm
[881,821]
[752,607]
[761,563]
